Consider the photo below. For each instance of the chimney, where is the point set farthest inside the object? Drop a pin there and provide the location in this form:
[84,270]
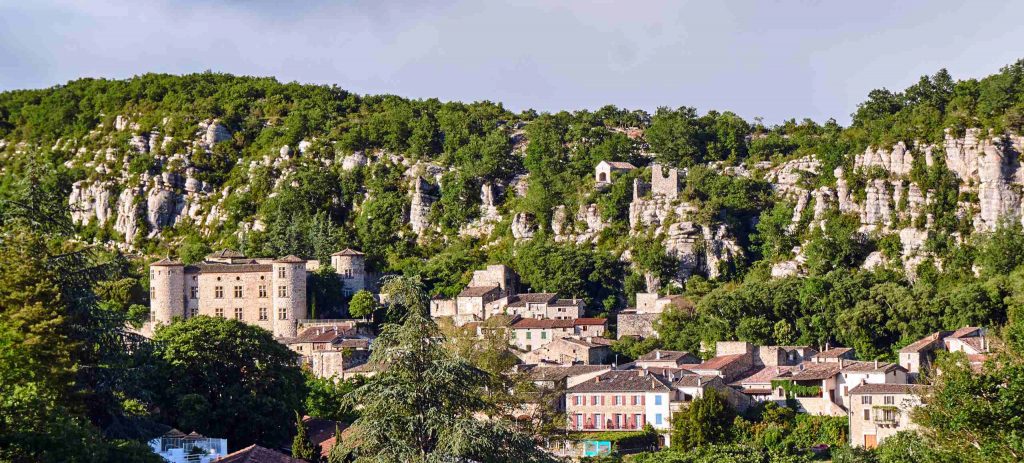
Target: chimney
[876,364]
[842,362]
[699,381]
[597,379]
[657,355]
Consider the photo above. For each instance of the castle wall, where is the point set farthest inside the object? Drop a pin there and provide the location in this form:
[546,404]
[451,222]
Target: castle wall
[250,302]
[166,293]
[289,296]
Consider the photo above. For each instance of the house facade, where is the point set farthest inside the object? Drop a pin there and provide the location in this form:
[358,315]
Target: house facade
[619,400]
[879,411]
[531,333]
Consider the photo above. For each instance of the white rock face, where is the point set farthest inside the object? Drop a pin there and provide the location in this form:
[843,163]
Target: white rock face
[785,269]
[423,198]
[213,133]
[873,260]
[353,161]
[585,226]
[523,226]
[897,161]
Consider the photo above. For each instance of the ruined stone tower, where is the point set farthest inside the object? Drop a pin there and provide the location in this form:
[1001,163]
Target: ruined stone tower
[166,291]
[289,294]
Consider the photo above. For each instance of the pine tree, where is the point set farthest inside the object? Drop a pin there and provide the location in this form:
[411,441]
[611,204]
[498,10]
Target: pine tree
[302,446]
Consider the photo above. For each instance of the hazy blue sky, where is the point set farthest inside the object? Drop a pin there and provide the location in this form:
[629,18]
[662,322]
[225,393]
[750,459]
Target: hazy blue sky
[776,59]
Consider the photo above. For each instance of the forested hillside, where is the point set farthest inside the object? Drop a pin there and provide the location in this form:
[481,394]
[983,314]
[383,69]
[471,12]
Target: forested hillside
[871,235]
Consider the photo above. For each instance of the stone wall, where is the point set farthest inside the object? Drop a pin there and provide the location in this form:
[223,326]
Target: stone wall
[636,324]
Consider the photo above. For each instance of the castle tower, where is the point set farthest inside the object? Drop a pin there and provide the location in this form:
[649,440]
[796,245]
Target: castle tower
[166,290]
[289,294]
[351,267]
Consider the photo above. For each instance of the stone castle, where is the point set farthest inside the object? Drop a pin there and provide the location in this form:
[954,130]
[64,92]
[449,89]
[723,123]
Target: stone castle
[269,293]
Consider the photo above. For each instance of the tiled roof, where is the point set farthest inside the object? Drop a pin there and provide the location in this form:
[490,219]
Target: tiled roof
[527,298]
[720,362]
[257,454]
[965,332]
[693,380]
[541,373]
[319,334]
[348,252]
[664,356]
[290,259]
[858,366]
[889,389]
[217,267]
[925,343]
[566,302]
[835,352]
[477,291]
[622,381]
[166,262]
[589,321]
[668,372]
[763,375]
[620,165]
[815,371]
[226,254]
[320,430]
[541,323]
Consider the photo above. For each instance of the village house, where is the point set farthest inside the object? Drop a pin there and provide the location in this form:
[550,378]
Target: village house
[833,355]
[269,293]
[531,333]
[605,169]
[639,322]
[823,388]
[917,357]
[544,305]
[327,351]
[570,351]
[666,359]
[619,400]
[879,411]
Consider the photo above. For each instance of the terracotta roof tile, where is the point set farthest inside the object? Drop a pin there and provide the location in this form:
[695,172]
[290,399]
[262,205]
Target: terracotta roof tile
[622,381]
[835,352]
[589,321]
[257,454]
[348,252]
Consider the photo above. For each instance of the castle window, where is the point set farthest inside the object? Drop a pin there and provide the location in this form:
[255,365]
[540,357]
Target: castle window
[218,292]
[219,311]
[263,313]
[152,293]
[263,290]
[281,272]
[238,313]
[282,291]
[282,313]
[195,292]
[348,273]
[346,292]
[238,291]
[195,311]
[152,273]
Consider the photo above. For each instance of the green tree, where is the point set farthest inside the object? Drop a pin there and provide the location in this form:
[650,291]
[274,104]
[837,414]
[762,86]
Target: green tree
[707,420]
[302,447]
[227,378]
[363,304]
[423,405]
[326,398]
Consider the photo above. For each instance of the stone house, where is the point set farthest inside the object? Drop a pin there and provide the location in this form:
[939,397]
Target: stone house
[544,305]
[639,322]
[918,356]
[570,351]
[833,355]
[605,169]
[666,359]
[824,388]
[879,411]
[531,333]
[477,303]
[328,351]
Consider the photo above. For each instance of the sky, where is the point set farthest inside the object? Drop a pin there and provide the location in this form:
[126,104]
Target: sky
[771,59]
